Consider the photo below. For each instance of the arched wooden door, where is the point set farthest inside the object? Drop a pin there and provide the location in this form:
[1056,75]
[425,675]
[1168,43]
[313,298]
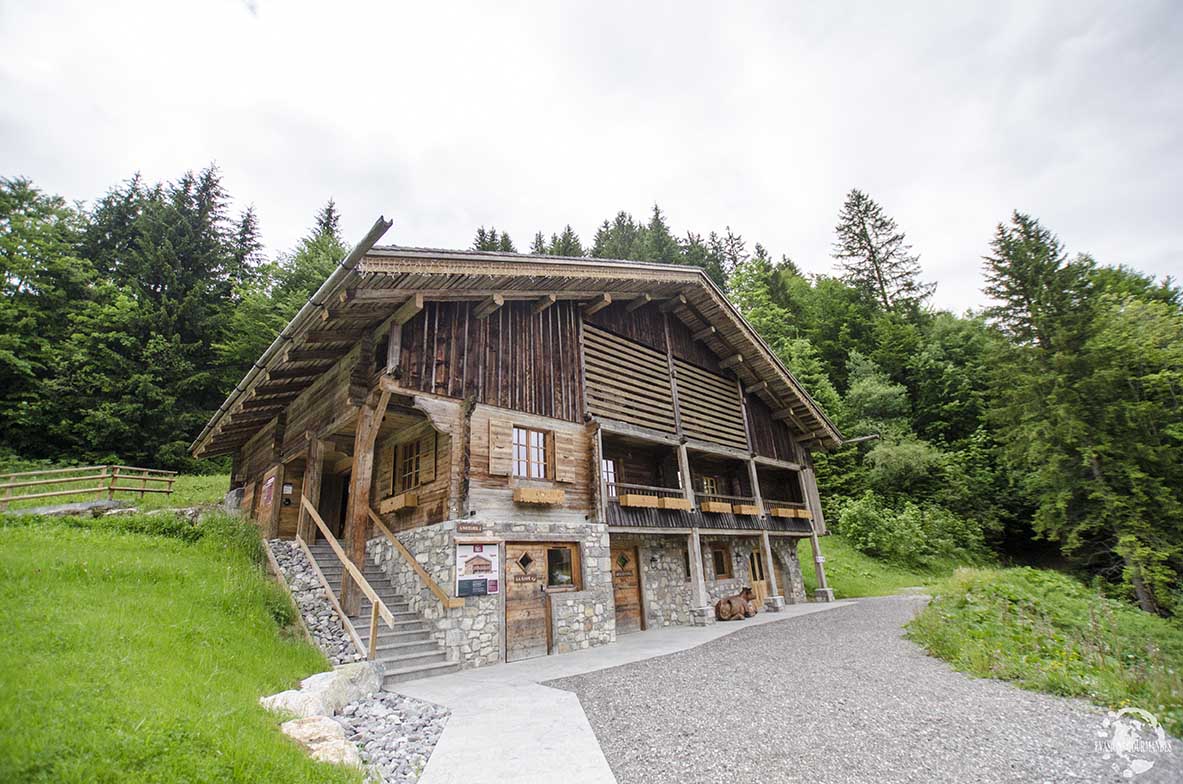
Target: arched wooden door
[759,581]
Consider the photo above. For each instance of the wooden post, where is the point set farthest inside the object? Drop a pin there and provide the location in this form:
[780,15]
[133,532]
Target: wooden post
[818,524]
[272,521]
[373,630]
[601,486]
[687,480]
[111,482]
[357,521]
[754,478]
[143,484]
[775,600]
[313,469]
[700,610]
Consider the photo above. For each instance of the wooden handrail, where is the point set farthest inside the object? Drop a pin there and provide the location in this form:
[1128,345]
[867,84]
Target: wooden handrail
[107,476]
[448,601]
[649,488]
[55,471]
[379,607]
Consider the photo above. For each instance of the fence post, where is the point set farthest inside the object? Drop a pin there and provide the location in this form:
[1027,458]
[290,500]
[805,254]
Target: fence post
[111,482]
[143,484]
[373,629]
[4,499]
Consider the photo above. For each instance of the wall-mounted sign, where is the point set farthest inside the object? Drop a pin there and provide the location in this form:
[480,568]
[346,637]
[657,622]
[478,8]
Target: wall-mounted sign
[268,491]
[478,569]
[470,528]
[287,488]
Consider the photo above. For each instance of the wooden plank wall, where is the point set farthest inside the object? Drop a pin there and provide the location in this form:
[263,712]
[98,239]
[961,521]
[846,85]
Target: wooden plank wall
[514,359]
[627,381]
[433,496]
[324,399]
[492,495]
[258,454]
[770,438]
[710,406]
[646,326]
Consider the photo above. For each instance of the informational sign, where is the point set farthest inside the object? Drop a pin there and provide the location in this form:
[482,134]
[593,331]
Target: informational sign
[478,569]
[470,528]
[268,491]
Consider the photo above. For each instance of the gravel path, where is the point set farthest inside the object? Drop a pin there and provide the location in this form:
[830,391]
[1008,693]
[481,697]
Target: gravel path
[837,697]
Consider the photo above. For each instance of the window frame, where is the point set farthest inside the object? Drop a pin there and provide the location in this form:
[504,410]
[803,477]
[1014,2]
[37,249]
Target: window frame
[403,455]
[608,471]
[710,485]
[725,550]
[576,583]
[535,444]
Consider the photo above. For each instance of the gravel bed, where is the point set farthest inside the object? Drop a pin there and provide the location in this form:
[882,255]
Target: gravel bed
[839,696]
[395,734]
[319,616]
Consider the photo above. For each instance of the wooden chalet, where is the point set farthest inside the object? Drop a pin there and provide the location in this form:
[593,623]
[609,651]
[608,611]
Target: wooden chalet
[612,436]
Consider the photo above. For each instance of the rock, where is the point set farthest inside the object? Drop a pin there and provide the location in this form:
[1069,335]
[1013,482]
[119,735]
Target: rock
[324,739]
[326,693]
[95,508]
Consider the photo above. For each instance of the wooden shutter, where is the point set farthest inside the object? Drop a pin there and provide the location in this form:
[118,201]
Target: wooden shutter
[500,447]
[566,457]
[427,458]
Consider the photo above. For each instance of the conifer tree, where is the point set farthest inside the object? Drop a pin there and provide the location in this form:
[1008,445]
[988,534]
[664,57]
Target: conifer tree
[875,256]
[538,245]
[328,221]
[659,243]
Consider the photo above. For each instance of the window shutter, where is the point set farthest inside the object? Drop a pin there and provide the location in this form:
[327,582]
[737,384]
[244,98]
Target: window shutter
[396,482]
[550,455]
[427,458]
[500,447]
[566,457]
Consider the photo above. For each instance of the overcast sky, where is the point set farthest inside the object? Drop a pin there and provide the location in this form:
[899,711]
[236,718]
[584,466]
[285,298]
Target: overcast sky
[446,116]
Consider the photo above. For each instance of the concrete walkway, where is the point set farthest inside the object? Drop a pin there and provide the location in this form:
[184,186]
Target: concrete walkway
[506,726]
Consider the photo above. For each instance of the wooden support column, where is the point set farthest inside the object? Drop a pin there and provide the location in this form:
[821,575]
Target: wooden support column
[271,524]
[600,486]
[818,525]
[357,521]
[775,601]
[313,468]
[701,613]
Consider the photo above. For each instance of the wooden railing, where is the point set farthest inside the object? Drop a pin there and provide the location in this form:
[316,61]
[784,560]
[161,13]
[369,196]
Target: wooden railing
[447,601]
[378,608]
[718,503]
[95,480]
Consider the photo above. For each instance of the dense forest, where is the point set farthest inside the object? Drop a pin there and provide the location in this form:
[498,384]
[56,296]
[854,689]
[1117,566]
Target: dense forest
[1046,426]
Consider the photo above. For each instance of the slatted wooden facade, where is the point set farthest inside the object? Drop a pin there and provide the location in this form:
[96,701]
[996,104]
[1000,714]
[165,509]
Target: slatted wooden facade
[710,406]
[770,438]
[627,381]
[515,358]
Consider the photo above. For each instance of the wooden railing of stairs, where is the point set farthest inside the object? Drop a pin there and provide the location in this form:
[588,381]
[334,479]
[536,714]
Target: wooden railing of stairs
[447,601]
[378,607]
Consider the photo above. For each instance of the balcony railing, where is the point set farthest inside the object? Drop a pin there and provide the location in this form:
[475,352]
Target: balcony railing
[715,503]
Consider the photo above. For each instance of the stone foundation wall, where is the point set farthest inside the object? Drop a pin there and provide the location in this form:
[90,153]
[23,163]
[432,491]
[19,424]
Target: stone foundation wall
[665,587]
[784,551]
[473,635]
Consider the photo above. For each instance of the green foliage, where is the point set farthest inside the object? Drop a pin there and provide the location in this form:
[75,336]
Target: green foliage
[1048,632]
[492,240]
[908,533]
[852,573]
[140,658]
[875,256]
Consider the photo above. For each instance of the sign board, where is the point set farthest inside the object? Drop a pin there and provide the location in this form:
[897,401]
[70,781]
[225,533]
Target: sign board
[268,491]
[470,528]
[478,569]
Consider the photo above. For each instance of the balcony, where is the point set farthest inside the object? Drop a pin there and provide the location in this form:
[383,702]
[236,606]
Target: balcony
[648,506]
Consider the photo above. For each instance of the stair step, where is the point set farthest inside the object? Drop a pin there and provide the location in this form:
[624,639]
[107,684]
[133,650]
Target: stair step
[421,671]
[363,628]
[387,637]
[398,661]
[407,648]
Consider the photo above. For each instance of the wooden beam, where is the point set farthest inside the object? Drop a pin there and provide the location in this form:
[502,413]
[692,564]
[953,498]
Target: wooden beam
[312,355]
[544,302]
[488,306]
[270,403]
[309,372]
[731,361]
[782,415]
[638,303]
[703,334]
[345,296]
[313,470]
[672,303]
[597,304]
[369,422]
[332,336]
[408,310]
[759,386]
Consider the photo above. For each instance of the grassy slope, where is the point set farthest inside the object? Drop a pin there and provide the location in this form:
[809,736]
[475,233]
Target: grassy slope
[132,657]
[851,573]
[1047,632]
[188,490]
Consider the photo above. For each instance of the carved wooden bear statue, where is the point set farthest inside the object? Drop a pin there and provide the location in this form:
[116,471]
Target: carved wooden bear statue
[733,608]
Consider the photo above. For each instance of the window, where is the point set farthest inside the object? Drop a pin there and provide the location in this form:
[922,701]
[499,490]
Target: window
[721,558]
[529,453]
[609,469]
[561,567]
[710,485]
[686,557]
[381,350]
[410,459]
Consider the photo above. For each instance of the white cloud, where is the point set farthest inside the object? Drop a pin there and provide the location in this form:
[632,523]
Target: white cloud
[530,116]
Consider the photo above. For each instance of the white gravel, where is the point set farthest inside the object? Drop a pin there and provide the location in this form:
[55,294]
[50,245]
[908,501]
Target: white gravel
[838,697]
[395,734]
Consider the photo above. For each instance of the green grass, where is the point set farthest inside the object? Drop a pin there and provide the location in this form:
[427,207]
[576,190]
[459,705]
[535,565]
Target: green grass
[138,657]
[852,573]
[1047,632]
[188,490]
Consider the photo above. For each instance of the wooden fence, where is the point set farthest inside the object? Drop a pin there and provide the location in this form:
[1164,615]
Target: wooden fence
[83,481]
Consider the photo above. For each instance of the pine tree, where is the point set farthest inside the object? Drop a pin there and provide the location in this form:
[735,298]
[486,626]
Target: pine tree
[538,246]
[505,244]
[659,244]
[492,240]
[328,221]
[1036,288]
[875,257]
[565,244]
[618,239]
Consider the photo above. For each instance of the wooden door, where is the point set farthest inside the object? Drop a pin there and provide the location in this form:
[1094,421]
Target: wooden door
[527,622]
[626,587]
[759,582]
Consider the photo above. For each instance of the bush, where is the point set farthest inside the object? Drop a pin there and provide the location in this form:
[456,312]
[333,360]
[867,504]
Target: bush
[910,534]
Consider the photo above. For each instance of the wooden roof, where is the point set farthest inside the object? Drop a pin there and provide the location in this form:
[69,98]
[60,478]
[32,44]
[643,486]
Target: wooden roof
[387,277]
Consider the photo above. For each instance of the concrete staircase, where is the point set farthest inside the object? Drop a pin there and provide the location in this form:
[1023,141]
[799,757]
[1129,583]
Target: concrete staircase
[407,651]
